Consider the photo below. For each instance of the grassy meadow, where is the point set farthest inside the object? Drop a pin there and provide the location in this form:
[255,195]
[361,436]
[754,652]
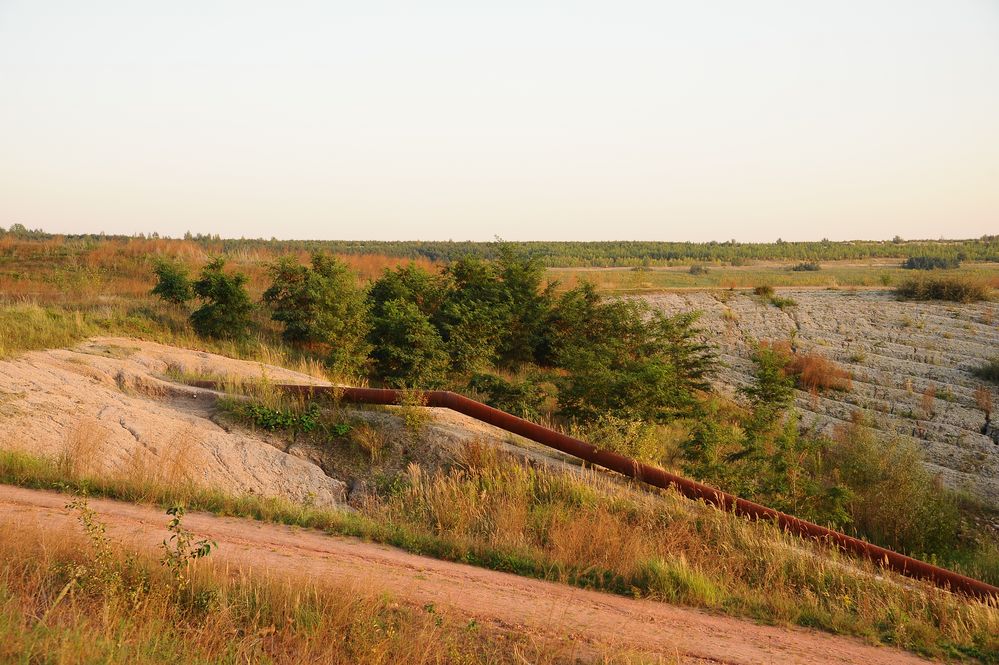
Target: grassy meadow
[835,274]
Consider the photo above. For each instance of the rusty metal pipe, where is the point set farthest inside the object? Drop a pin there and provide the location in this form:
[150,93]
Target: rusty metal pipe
[899,563]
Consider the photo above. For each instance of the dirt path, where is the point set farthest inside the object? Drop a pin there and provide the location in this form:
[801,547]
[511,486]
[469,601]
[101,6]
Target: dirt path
[594,620]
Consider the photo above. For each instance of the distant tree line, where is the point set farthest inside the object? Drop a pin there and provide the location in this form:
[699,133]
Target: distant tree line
[609,253]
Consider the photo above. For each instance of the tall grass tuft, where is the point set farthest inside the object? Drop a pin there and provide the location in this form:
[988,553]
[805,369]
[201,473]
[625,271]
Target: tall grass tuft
[69,598]
[585,529]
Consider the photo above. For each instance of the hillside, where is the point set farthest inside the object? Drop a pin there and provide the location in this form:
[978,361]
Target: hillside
[113,416]
[570,625]
[910,366]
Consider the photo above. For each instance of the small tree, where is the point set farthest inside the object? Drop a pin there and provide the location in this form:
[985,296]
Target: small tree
[622,358]
[173,282]
[321,304]
[226,307]
[408,351]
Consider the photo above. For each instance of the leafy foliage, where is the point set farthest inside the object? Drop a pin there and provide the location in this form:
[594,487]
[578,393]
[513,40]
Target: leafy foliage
[173,282]
[288,419]
[956,289]
[931,262]
[531,397]
[226,307]
[620,357]
[321,305]
[854,480]
[408,350]
[893,499]
[181,550]
[988,370]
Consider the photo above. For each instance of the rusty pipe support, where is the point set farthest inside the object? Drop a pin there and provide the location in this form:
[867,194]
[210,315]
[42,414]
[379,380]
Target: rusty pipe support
[899,563]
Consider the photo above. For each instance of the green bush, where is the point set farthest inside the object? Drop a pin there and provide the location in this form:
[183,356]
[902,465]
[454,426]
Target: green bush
[173,283]
[988,370]
[894,501]
[226,307]
[878,488]
[633,438]
[410,283]
[931,263]
[620,357]
[321,305]
[529,302]
[531,397]
[956,289]
[475,315]
[783,303]
[407,349]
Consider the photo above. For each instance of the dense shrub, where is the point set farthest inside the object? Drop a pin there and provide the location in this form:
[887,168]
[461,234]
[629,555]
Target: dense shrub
[475,315]
[768,294]
[782,302]
[407,349]
[988,370]
[893,500]
[622,358]
[957,289]
[410,283]
[931,263]
[173,283]
[531,397]
[226,307]
[806,266]
[634,438]
[321,305]
[855,480]
[530,301]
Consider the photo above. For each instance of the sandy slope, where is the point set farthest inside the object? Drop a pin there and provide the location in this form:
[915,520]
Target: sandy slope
[109,404]
[106,403]
[591,621]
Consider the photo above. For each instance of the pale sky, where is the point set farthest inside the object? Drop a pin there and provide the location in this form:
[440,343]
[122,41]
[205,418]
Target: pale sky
[693,120]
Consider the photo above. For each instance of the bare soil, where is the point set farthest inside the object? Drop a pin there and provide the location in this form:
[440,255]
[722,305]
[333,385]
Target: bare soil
[587,623]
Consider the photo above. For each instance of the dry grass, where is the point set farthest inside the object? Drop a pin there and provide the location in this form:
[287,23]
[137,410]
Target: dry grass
[816,373]
[370,438]
[949,287]
[81,452]
[928,402]
[983,400]
[834,274]
[25,327]
[69,599]
[591,531]
[59,270]
[813,372]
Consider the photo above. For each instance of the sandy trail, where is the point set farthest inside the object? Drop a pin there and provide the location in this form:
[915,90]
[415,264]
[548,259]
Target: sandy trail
[593,620]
